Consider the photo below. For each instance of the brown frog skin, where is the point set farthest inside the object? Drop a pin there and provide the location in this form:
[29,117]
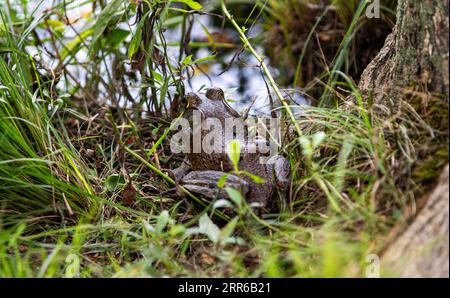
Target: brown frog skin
[200,172]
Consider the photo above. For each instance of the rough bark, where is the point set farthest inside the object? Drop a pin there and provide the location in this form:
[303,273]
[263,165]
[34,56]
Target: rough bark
[416,54]
[423,249]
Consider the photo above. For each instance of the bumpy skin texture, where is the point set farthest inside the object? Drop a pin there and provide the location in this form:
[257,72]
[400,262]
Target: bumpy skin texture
[207,168]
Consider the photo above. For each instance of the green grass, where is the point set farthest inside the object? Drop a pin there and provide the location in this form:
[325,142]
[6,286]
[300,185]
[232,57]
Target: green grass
[66,163]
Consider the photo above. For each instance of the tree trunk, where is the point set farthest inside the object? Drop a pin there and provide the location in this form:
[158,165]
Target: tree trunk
[416,55]
[416,52]
[422,250]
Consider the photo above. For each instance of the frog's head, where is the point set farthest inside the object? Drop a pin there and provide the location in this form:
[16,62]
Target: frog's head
[211,104]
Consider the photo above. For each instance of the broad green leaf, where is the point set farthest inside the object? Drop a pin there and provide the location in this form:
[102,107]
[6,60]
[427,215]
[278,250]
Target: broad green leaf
[72,47]
[116,37]
[228,230]
[235,196]
[204,59]
[136,40]
[254,177]
[222,180]
[148,227]
[104,20]
[192,4]
[158,77]
[113,182]
[222,203]
[207,227]
[177,230]
[56,25]
[162,221]
[186,60]
[234,152]
[163,16]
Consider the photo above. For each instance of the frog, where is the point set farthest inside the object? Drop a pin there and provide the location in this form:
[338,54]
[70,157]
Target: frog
[201,172]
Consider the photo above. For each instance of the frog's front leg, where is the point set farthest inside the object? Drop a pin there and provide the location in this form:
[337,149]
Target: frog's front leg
[205,184]
[178,173]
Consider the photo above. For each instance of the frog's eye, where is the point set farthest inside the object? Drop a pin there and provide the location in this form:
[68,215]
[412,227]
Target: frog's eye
[215,93]
[192,100]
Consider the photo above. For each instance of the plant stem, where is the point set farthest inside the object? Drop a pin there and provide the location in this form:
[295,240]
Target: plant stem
[263,65]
